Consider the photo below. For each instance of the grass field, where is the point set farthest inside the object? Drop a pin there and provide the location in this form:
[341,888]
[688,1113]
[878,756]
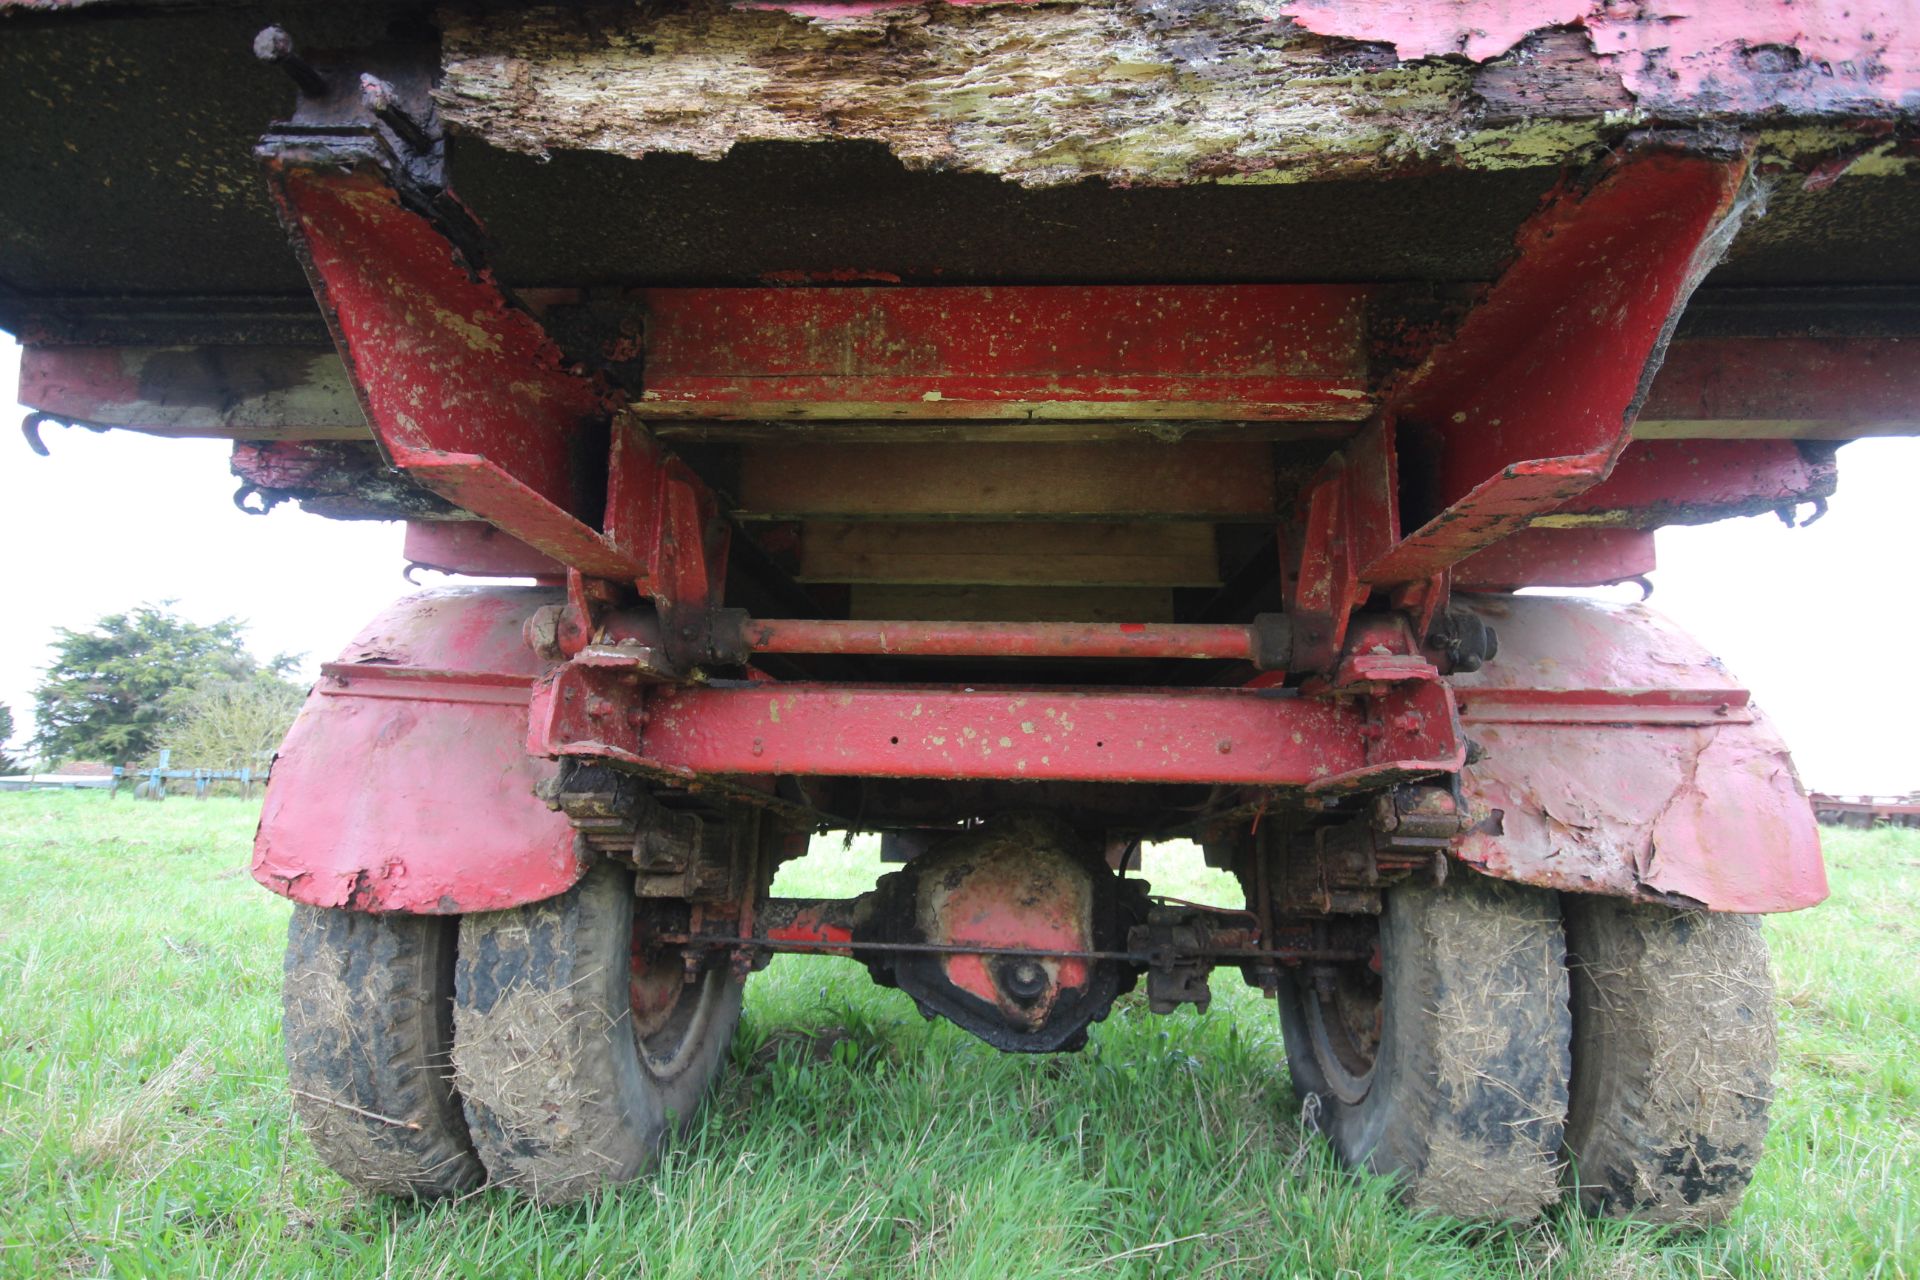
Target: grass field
[145,1130]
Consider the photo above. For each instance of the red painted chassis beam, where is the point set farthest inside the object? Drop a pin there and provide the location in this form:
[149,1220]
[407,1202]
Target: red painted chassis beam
[1275,352]
[1003,639]
[1227,737]
[1532,401]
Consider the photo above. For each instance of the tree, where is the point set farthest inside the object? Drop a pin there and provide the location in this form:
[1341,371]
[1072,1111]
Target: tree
[7,763]
[104,697]
[223,723]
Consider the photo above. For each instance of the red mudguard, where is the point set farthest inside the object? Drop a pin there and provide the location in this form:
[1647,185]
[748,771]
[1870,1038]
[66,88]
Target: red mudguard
[405,785]
[1617,756]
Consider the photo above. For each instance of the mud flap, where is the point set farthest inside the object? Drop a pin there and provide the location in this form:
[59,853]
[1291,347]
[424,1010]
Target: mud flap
[405,784]
[1614,755]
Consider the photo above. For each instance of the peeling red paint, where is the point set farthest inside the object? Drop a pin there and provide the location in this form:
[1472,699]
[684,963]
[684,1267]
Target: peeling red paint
[1619,757]
[405,784]
[1755,55]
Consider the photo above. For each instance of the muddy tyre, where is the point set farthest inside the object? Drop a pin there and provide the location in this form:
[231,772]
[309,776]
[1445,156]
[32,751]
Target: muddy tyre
[1673,1058]
[1447,1069]
[368,1022]
[574,1050]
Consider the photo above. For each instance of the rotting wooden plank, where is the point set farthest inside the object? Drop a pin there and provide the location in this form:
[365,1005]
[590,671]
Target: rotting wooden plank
[1012,604]
[1187,481]
[957,552]
[1134,93]
[1245,352]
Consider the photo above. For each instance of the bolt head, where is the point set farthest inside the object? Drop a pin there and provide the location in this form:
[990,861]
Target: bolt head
[272,44]
[1026,980]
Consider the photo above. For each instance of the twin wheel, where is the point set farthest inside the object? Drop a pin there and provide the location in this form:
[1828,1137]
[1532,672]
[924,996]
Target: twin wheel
[544,1048]
[1505,1043]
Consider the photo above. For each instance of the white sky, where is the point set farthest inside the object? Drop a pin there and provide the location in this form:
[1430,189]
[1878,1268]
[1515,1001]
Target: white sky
[1815,620]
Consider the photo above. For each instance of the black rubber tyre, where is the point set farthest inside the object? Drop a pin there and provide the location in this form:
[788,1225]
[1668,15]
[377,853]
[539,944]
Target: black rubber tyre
[1448,1068]
[1673,1058]
[572,1053]
[368,1020]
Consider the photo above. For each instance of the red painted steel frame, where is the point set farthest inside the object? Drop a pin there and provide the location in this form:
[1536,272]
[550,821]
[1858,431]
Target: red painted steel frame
[1003,639]
[464,391]
[1202,351]
[1533,399]
[1815,388]
[1680,481]
[469,396]
[477,548]
[1558,558]
[1231,737]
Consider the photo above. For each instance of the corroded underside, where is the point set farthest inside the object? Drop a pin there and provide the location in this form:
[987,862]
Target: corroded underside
[1178,91]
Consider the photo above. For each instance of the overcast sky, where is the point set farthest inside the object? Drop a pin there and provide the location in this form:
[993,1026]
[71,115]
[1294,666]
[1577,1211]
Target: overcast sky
[1814,620]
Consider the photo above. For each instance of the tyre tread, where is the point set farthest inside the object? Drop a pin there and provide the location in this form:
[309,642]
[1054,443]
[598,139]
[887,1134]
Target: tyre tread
[367,1020]
[1674,1053]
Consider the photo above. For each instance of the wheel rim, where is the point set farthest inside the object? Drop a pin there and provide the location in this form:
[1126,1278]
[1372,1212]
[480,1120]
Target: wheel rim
[1344,1025]
[670,1015]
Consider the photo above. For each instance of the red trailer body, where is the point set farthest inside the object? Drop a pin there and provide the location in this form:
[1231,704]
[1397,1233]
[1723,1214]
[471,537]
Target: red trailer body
[1149,447]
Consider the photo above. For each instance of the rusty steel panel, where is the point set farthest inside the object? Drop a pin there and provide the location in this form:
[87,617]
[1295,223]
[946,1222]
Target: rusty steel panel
[405,784]
[1197,351]
[341,479]
[1194,480]
[666,522]
[1233,737]
[1530,402]
[222,392]
[1619,757]
[447,366]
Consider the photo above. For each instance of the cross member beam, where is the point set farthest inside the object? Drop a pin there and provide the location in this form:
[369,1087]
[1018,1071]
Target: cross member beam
[1376,736]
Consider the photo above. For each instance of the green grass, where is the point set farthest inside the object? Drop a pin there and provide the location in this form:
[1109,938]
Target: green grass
[144,1127]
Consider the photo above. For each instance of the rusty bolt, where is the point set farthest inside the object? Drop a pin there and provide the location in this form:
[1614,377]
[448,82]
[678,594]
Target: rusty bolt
[274,47]
[1224,746]
[380,98]
[542,632]
[599,708]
